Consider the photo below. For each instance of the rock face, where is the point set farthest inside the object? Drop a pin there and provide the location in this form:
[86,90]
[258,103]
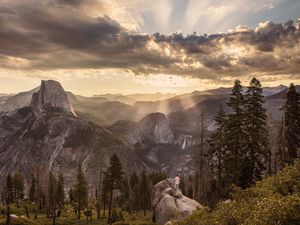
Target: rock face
[153,128]
[156,128]
[169,203]
[51,95]
[46,136]
[17,101]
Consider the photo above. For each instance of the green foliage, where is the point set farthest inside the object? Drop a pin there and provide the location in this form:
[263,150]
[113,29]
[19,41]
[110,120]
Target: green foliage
[234,135]
[18,184]
[275,200]
[256,152]
[33,189]
[113,178]
[60,194]
[51,192]
[80,191]
[291,124]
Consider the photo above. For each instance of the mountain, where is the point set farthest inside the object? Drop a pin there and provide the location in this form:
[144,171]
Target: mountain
[155,143]
[102,111]
[47,135]
[51,95]
[55,130]
[17,101]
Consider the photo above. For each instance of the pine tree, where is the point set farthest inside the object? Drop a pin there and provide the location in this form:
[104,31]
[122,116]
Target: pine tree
[234,135]
[71,195]
[217,151]
[80,191]
[144,191]
[60,193]
[32,190]
[280,154]
[292,123]
[255,156]
[104,190]
[182,186]
[18,184]
[9,188]
[114,180]
[51,193]
[134,196]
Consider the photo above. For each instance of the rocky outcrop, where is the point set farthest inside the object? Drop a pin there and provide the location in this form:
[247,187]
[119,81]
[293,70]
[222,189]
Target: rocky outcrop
[169,203]
[155,128]
[51,95]
[20,100]
[152,129]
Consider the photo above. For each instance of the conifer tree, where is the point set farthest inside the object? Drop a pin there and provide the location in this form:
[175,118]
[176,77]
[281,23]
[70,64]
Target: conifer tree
[281,153]
[292,123]
[71,195]
[9,188]
[104,191]
[134,196]
[51,193]
[80,191]
[182,186]
[217,151]
[254,159]
[32,190]
[18,184]
[144,191]
[114,175]
[60,193]
[234,135]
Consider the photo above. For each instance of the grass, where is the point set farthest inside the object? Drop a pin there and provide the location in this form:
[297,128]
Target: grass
[67,217]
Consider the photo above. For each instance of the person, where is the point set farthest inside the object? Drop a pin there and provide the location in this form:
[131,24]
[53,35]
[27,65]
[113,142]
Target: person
[177,182]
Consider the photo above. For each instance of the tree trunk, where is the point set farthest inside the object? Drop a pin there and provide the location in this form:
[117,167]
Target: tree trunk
[26,209]
[104,205]
[8,214]
[110,205]
[78,216]
[54,216]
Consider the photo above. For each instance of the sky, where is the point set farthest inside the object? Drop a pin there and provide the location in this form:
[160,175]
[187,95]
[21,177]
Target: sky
[142,46]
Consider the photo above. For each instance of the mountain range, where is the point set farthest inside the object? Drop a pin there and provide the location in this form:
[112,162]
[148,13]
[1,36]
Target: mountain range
[48,128]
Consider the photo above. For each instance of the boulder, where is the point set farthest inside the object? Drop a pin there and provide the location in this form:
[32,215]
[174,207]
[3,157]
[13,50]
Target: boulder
[168,203]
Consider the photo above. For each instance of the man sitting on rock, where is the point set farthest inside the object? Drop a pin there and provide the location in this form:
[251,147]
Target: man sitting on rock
[177,181]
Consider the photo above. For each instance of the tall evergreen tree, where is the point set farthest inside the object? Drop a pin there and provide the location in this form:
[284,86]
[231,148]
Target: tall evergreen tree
[292,123]
[217,151]
[9,188]
[235,135]
[51,193]
[255,157]
[144,191]
[114,175]
[32,190]
[104,191]
[280,157]
[134,193]
[60,192]
[18,184]
[80,191]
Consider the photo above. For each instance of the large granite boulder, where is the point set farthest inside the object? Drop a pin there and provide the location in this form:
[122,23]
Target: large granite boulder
[168,203]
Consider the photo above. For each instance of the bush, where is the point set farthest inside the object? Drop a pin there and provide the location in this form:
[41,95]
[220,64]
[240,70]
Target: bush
[275,200]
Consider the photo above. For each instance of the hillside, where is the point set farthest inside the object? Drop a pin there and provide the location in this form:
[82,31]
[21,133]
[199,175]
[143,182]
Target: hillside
[274,200]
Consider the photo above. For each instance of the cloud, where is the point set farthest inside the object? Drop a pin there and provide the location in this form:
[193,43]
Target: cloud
[61,34]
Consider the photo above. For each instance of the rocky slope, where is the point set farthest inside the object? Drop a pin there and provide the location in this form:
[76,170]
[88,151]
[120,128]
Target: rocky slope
[48,136]
[156,145]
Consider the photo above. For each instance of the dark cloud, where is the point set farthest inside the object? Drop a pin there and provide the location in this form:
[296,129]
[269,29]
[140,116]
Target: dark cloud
[48,36]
